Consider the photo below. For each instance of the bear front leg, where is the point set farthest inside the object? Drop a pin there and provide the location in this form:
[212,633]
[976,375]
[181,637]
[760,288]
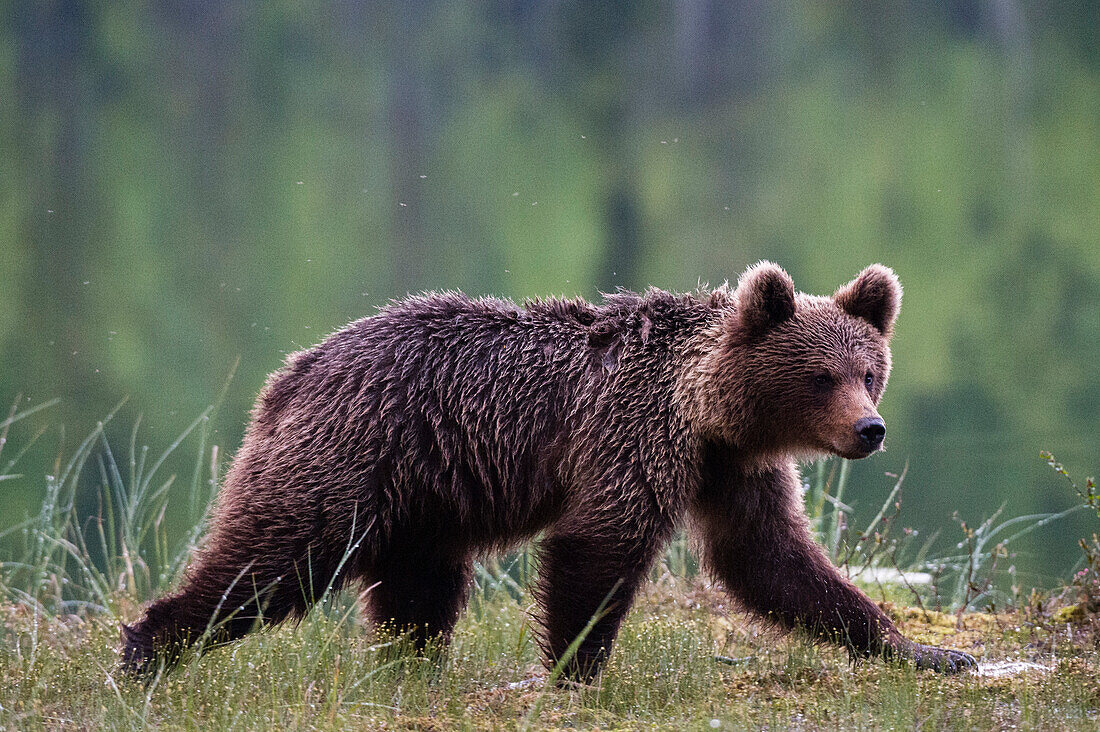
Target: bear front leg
[589,572]
[757,543]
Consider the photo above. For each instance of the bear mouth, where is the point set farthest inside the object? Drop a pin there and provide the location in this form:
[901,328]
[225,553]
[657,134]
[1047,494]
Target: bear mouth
[856,452]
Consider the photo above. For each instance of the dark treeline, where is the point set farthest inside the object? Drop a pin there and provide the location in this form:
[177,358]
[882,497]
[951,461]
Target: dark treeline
[185,183]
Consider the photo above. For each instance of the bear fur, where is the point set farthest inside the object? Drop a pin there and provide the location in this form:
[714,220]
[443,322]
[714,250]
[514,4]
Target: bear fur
[410,442]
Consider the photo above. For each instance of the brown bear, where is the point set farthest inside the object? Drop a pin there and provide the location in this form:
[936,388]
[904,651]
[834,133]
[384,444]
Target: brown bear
[444,427]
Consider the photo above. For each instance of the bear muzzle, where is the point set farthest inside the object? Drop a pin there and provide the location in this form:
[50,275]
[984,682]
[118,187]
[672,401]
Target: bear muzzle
[870,432]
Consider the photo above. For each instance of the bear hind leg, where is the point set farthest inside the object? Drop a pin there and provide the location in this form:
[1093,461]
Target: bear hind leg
[421,596]
[586,587]
[222,599]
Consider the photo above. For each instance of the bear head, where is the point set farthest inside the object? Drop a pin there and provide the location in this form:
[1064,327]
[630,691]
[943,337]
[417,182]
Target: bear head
[788,373]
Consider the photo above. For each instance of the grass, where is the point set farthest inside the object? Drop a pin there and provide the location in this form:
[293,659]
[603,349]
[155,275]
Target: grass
[331,673]
[73,579]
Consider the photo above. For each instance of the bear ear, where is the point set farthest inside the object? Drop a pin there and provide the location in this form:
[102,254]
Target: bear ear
[764,296]
[875,296]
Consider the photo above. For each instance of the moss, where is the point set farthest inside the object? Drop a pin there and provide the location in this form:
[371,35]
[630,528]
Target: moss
[1073,614]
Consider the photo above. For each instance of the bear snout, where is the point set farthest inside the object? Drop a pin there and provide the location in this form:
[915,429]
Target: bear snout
[871,431]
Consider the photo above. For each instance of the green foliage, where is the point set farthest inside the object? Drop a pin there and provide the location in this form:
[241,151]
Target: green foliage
[1087,494]
[1085,586]
[73,581]
[183,191]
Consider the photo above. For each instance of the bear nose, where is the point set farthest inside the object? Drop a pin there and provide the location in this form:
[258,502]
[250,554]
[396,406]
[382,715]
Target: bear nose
[871,430]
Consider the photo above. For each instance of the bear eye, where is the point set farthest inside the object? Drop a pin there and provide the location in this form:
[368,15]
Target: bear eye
[869,380]
[823,381]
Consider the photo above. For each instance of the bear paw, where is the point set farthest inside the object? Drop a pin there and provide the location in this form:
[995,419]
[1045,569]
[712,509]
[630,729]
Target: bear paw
[942,660]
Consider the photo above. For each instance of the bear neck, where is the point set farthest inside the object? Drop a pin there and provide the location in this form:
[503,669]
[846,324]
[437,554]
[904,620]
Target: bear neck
[720,409]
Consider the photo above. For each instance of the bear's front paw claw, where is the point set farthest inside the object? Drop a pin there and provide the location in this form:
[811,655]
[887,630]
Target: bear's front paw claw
[943,660]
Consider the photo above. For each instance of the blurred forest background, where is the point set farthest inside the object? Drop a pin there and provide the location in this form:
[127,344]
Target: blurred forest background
[189,182]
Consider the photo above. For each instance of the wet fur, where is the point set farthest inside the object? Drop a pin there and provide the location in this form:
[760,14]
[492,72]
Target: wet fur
[444,428]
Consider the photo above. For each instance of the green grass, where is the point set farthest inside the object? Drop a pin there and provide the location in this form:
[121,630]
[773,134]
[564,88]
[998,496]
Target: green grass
[73,579]
[331,673]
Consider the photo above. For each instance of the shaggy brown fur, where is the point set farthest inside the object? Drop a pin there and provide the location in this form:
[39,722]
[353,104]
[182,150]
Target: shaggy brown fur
[401,447]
